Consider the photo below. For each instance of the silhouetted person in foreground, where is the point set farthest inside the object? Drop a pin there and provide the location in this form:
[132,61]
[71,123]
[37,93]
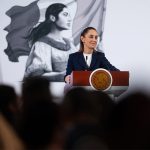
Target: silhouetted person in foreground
[39,117]
[9,104]
[35,88]
[130,123]
[103,106]
[81,121]
[39,124]
[8,137]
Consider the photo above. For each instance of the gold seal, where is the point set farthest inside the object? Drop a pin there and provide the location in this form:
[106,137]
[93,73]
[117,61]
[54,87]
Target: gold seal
[100,79]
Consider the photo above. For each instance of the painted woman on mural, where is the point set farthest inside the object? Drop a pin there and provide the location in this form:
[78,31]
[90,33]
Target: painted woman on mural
[50,50]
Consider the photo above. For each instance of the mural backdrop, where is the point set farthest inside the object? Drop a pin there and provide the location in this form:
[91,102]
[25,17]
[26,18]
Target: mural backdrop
[125,38]
[31,33]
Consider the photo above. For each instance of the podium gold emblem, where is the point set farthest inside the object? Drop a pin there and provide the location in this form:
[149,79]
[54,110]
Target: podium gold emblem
[100,79]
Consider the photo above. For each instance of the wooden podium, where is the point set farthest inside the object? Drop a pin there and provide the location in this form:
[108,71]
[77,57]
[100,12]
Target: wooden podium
[120,81]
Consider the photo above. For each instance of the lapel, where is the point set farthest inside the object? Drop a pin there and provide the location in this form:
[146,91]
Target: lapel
[94,59]
[82,60]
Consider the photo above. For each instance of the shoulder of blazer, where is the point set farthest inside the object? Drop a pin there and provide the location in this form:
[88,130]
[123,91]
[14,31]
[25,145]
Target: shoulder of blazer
[99,53]
[75,54]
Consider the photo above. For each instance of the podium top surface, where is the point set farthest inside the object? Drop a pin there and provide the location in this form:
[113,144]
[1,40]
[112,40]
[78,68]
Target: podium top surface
[81,78]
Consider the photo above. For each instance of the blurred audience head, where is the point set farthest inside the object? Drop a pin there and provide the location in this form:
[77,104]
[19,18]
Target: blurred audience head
[40,116]
[9,105]
[77,106]
[103,105]
[130,123]
[39,124]
[35,89]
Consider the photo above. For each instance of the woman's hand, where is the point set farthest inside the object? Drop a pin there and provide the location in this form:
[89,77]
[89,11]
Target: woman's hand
[67,79]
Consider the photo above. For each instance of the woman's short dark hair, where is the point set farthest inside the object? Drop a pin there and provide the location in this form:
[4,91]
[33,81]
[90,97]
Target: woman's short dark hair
[83,33]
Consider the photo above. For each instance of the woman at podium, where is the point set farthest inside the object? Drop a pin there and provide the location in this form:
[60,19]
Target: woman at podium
[87,58]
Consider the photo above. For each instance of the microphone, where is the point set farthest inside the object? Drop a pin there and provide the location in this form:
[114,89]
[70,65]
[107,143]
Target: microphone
[86,58]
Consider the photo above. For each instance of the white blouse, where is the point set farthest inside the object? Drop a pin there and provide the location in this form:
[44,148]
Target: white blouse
[88,58]
[45,57]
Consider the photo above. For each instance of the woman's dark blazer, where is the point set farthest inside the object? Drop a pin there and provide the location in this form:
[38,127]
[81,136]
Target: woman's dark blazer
[76,62]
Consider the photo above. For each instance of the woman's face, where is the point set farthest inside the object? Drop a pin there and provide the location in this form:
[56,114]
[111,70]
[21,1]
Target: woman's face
[64,19]
[90,39]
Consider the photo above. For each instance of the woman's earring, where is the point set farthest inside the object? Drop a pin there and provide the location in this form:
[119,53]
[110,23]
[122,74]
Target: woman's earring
[52,18]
